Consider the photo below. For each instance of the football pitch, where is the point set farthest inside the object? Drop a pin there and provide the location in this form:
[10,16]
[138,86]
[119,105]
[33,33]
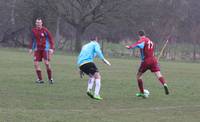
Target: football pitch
[21,100]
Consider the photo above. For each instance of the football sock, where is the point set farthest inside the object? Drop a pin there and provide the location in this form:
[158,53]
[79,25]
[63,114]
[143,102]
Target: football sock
[97,87]
[90,83]
[39,74]
[162,80]
[49,73]
[140,85]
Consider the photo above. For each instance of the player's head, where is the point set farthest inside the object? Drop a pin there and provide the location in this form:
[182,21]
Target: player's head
[38,23]
[141,33]
[94,38]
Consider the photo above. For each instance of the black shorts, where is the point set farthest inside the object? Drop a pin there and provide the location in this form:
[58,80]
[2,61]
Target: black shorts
[89,68]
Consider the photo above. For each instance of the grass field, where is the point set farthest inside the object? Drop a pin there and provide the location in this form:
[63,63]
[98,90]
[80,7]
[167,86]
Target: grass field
[21,100]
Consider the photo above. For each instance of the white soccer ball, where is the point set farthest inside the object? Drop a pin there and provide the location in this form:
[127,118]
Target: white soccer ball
[146,93]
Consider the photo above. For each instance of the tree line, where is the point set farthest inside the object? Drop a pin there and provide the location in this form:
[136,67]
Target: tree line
[111,20]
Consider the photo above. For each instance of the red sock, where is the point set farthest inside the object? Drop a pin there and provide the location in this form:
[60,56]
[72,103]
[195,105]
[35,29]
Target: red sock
[39,74]
[162,80]
[49,73]
[140,85]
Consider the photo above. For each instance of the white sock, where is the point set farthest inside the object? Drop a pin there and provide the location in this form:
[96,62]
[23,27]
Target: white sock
[97,87]
[90,83]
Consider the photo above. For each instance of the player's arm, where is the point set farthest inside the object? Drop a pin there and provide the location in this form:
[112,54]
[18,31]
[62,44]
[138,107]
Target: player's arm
[106,62]
[81,73]
[51,41]
[30,47]
[138,44]
[100,54]
[32,44]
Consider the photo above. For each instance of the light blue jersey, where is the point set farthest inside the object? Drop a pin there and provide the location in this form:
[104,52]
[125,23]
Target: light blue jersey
[88,53]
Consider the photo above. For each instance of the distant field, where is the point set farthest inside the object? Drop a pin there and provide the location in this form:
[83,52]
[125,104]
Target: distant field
[21,100]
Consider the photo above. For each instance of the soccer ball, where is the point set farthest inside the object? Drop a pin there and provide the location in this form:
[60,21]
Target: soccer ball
[146,93]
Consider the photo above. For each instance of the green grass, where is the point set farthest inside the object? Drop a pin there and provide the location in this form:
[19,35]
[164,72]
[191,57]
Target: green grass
[21,100]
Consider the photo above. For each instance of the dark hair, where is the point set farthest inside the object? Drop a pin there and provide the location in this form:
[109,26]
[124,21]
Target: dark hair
[92,38]
[38,18]
[141,33]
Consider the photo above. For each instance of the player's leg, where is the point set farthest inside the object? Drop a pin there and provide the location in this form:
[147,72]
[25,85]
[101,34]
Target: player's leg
[88,69]
[49,71]
[48,66]
[92,71]
[37,59]
[90,86]
[160,77]
[140,84]
[155,68]
[90,83]
[38,72]
[162,81]
[97,77]
[142,69]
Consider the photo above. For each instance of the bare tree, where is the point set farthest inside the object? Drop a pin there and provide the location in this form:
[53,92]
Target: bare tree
[82,13]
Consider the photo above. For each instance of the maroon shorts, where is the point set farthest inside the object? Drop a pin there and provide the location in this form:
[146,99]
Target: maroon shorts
[149,64]
[41,54]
